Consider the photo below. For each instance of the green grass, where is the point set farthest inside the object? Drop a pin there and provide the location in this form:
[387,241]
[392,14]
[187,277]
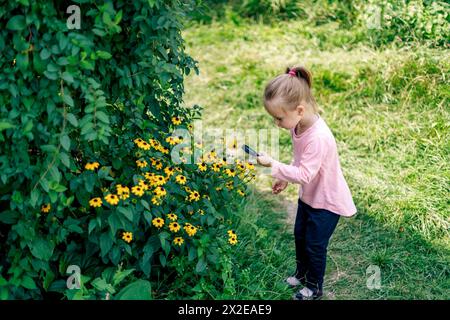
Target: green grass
[388,109]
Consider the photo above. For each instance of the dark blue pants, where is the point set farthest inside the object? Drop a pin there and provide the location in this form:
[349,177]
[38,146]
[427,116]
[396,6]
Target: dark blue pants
[313,229]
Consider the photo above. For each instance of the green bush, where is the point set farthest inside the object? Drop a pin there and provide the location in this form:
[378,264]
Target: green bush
[83,111]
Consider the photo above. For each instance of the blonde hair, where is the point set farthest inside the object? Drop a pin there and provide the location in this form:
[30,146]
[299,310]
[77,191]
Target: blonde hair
[293,88]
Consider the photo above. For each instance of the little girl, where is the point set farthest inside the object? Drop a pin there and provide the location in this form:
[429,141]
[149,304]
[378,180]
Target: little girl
[324,195]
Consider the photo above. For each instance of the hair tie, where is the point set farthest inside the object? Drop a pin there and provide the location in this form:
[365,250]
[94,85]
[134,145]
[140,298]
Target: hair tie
[292,72]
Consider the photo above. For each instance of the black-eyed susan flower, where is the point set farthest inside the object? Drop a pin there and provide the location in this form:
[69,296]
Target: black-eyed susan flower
[187,189]
[241,193]
[172,216]
[46,208]
[112,199]
[154,143]
[190,229]
[160,191]
[250,166]
[95,202]
[176,120]
[190,127]
[141,163]
[91,165]
[164,150]
[158,165]
[230,172]
[127,236]
[241,166]
[180,179]
[143,145]
[174,227]
[138,140]
[158,222]
[232,240]
[216,167]
[191,212]
[231,232]
[143,184]
[138,191]
[171,140]
[194,196]
[202,166]
[201,212]
[156,201]
[178,241]
[169,171]
[149,176]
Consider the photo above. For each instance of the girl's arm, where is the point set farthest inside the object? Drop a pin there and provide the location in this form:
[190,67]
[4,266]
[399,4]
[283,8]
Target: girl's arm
[310,162]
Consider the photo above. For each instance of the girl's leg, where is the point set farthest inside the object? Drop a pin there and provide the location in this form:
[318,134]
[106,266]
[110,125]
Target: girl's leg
[320,226]
[300,242]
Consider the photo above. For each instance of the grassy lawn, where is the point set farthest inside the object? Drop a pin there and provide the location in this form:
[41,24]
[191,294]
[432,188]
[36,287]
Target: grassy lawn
[388,109]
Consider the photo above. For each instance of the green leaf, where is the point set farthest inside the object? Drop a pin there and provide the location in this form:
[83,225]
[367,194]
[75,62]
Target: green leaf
[68,99]
[65,142]
[201,266]
[28,282]
[64,159]
[66,76]
[5,125]
[120,275]
[104,55]
[102,116]
[105,243]
[34,197]
[41,249]
[138,290]
[126,212]
[16,23]
[72,119]
[45,54]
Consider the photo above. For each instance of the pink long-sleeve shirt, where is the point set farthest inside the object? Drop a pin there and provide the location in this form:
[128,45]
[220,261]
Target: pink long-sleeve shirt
[317,169]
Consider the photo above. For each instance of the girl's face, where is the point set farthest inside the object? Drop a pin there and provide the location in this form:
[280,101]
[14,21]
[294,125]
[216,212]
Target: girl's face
[283,118]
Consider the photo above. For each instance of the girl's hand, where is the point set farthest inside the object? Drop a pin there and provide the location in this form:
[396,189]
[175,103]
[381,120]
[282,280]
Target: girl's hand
[264,160]
[278,186]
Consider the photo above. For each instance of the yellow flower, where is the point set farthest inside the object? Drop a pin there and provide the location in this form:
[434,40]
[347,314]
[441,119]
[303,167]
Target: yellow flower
[230,172]
[91,165]
[180,179]
[172,216]
[157,180]
[174,226]
[46,208]
[190,229]
[138,140]
[202,166]
[191,212]
[160,191]
[250,166]
[178,241]
[143,185]
[231,233]
[229,185]
[144,145]
[127,236]
[158,222]
[194,196]
[242,193]
[190,127]
[141,164]
[149,176]
[169,171]
[137,190]
[216,167]
[171,140]
[154,143]
[123,192]
[233,240]
[241,167]
[96,202]
[201,211]
[176,120]
[112,199]
[187,189]
[164,150]
[156,201]
[158,165]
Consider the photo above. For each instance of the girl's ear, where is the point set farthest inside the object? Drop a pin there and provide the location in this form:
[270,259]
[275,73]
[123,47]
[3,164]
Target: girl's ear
[300,110]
